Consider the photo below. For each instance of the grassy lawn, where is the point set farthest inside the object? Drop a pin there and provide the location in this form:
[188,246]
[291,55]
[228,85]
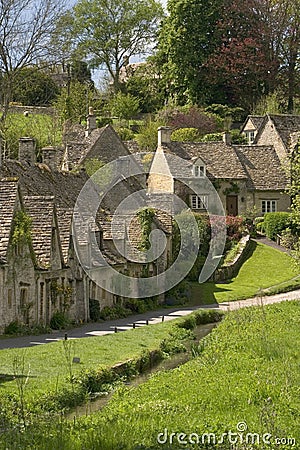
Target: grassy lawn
[265,268]
[247,372]
[48,366]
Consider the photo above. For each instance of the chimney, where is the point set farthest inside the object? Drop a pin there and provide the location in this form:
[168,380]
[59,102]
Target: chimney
[227,138]
[164,135]
[91,122]
[49,157]
[27,150]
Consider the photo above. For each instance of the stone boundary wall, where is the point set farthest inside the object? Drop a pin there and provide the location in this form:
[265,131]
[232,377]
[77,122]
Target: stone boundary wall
[49,110]
[228,271]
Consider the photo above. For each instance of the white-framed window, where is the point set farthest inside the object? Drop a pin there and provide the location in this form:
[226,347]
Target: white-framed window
[250,135]
[199,201]
[268,206]
[199,171]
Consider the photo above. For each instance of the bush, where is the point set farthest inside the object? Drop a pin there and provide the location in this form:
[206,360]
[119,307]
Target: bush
[276,222]
[94,307]
[13,328]
[186,135]
[125,133]
[58,321]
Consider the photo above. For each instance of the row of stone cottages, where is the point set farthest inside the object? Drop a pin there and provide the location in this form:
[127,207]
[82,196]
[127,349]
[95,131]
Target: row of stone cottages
[40,272]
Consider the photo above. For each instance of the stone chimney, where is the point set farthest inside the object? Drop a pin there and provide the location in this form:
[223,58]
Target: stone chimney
[49,156]
[91,123]
[164,135]
[27,150]
[227,138]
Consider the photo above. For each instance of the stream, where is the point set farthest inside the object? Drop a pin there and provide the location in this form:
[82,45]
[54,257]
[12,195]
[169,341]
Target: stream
[176,360]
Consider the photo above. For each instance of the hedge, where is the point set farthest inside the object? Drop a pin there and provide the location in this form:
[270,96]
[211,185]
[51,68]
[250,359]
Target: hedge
[276,222]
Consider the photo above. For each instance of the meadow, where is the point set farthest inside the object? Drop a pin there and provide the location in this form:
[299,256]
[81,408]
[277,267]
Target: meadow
[243,384]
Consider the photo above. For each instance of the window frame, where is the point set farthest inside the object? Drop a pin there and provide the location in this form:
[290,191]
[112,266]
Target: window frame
[199,170]
[268,205]
[199,202]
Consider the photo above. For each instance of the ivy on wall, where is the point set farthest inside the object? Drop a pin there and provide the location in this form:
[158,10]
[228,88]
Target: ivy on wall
[145,217]
[232,189]
[22,228]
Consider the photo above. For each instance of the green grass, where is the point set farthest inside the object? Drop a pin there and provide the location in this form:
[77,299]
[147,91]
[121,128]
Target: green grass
[266,267]
[42,127]
[48,367]
[247,371]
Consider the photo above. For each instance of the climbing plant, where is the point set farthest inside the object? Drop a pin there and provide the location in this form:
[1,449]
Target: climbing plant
[21,228]
[145,217]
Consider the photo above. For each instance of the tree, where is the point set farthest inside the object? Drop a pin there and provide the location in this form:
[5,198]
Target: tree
[33,87]
[186,40]
[124,106]
[73,102]
[230,51]
[26,27]
[109,33]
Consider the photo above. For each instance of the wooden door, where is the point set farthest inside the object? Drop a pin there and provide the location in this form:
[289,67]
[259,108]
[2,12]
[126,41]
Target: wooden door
[232,205]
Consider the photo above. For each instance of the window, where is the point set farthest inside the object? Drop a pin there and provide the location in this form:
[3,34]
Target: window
[199,202]
[268,206]
[250,136]
[199,171]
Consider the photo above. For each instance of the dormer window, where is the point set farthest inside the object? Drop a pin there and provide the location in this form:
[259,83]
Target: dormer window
[199,171]
[250,135]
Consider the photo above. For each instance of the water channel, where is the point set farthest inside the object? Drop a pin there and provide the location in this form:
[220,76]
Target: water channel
[170,363]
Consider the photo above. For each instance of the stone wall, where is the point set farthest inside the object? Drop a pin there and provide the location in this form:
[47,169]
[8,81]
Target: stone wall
[228,271]
[48,110]
[269,136]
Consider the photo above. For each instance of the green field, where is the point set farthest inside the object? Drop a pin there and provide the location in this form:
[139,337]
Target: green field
[246,375]
[265,268]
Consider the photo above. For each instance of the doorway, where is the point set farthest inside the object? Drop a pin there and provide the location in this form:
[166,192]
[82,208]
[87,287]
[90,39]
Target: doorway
[232,205]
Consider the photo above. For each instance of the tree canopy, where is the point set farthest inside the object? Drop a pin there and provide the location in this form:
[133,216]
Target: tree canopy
[26,27]
[230,51]
[108,33]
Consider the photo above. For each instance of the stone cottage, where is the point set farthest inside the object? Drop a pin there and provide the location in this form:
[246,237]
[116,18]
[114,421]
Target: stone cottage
[282,131]
[40,272]
[245,177]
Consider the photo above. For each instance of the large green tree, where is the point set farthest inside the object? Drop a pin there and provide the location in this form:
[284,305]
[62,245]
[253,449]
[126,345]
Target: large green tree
[230,51]
[108,32]
[33,87]
[186,40]
[26,27]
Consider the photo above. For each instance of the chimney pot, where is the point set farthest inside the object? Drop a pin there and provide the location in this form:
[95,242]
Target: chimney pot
[91,123]
[227,138]
[27,150]
[49,157]
[164,135]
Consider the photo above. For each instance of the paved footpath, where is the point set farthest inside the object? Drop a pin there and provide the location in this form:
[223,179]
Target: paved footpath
[151,317]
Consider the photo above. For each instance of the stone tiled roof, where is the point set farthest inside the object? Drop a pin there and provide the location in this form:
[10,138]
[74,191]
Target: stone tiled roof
[256,120]
[8,202]
[220,159]
[64,220]
[285,124]
[41,209]
[262,167]
[38,180]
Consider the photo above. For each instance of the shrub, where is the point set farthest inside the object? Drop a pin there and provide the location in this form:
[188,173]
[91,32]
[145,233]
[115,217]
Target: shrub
[235,227]
[13,328]
[186,135]
[276,222]
[58,321]
[94,307]
[125,133]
